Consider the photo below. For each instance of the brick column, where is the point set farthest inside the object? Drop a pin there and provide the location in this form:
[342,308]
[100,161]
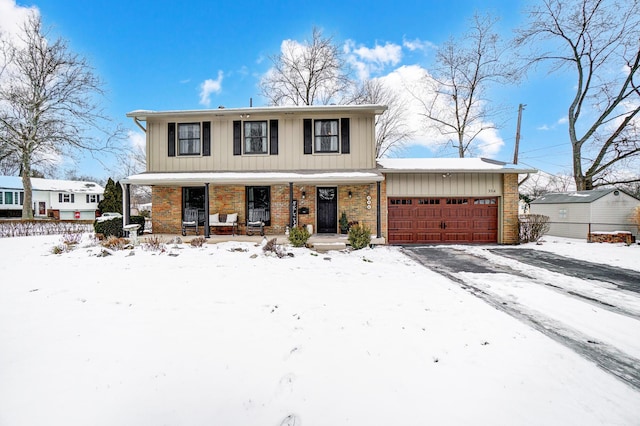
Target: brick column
[510,198]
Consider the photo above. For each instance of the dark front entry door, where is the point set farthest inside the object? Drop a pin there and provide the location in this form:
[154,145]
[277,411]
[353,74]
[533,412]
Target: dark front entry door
[327,210]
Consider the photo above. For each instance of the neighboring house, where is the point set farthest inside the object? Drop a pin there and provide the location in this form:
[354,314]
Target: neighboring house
[575,214]
[59,199]
[305,165]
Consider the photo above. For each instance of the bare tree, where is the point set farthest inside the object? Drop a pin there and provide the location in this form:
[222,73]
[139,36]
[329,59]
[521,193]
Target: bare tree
[47,102]
[465,69]
[311,73]
[392,130]
[598,42]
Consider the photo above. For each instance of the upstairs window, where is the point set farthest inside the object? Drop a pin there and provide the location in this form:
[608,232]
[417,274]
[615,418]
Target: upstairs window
[326,136]
[255,137]
[66,198]
[189,139]
[93,198]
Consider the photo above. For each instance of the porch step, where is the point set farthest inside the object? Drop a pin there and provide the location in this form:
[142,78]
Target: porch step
[323,247]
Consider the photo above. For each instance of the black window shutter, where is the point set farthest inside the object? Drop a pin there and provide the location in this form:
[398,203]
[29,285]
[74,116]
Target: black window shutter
[308,137]
[273,131]
[171,140]
[73,198]
[87,198]
[344,135]
[206,138]
[59,198]
[237,138]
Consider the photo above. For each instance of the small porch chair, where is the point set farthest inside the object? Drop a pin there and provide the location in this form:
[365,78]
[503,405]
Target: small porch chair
[190,221]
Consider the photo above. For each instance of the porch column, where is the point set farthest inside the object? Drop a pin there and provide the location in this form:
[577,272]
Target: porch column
[206,211]
[290,205]
[126,204]
[378,224]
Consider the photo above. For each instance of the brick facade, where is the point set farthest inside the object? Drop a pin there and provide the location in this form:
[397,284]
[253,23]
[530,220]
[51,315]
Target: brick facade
[167,206]
[510,198]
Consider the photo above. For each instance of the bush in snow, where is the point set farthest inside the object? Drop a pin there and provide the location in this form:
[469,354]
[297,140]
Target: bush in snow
[154,243]
[198,242]
[359,236]
[272,247]
[532,227]
[298,236]
[115,243]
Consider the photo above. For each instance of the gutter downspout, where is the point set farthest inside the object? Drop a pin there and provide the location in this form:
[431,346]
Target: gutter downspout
[137,121]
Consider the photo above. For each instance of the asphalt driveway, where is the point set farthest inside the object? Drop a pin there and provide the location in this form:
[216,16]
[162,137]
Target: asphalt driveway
[455,262]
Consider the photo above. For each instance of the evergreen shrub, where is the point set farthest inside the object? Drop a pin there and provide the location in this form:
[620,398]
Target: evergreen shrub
[359,236]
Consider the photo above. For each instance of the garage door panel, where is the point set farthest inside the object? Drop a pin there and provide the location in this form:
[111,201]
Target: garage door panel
[428,237]
[444,220]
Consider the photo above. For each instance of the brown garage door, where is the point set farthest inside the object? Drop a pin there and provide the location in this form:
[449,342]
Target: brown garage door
[443,220]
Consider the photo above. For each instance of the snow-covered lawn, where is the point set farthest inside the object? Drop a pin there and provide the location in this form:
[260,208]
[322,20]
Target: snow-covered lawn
[225,335]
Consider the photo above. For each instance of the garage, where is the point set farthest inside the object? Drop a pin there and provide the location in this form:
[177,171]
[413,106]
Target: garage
[420,220]
[451,200]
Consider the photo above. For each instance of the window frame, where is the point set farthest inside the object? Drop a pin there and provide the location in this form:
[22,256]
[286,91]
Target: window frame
[251,198]
[191,138]
[320,137]
[248,139]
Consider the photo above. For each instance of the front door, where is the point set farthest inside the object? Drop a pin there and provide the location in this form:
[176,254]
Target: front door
[327,210]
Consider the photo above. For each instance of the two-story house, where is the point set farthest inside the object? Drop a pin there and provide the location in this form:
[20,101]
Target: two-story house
[59,199]
[306,165]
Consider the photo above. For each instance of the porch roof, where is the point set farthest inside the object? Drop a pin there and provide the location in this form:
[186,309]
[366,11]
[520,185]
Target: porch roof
[255,178]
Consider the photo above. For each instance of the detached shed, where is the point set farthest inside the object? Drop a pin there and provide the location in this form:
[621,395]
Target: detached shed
[576,214]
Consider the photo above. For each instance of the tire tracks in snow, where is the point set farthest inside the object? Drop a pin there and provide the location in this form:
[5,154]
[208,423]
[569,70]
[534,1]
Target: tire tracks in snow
[605,356]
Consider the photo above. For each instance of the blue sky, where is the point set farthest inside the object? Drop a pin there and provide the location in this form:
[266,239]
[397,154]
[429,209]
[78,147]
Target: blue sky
[158,54]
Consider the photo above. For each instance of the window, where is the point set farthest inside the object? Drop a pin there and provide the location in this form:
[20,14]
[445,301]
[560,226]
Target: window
[189,139]
[457,201]
[66,198]
[399,201]
[1,197]
[8,197]
[326,136]
[259,204]
[255,137]
[485,201]
[93,198]
[429,201]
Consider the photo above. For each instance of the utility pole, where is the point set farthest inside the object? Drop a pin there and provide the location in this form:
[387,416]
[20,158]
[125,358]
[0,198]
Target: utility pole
[515,151]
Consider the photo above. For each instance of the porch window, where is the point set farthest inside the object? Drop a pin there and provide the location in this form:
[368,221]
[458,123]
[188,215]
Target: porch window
[259,204]
[189,139]
[326,136]
[255,137]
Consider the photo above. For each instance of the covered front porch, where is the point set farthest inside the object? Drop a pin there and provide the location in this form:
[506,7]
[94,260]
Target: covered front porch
[316,200]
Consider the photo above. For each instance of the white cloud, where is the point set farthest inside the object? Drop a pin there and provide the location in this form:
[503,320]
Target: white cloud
[367,61]
[137,139]
[563,120]
[12,16]
[418,44]
[413,83]
[210,86]
[544,128]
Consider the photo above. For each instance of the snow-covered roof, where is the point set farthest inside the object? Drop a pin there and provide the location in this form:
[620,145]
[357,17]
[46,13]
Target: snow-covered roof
[255,178]
[38,184]
[142,114]
[575,196]
[449,165]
